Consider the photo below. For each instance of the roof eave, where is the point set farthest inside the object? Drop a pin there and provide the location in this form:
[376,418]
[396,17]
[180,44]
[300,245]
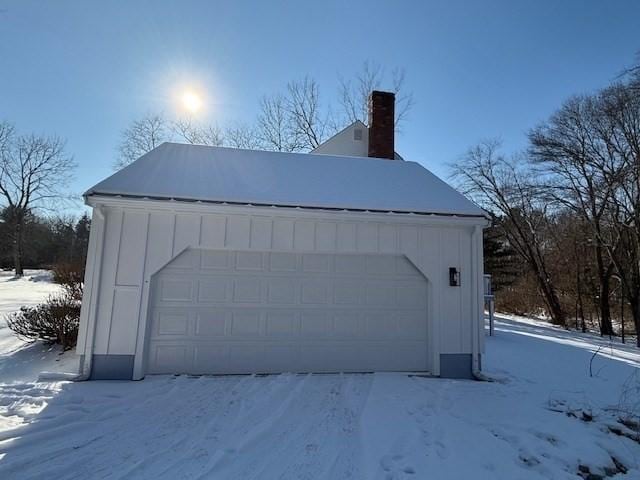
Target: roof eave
[88,201]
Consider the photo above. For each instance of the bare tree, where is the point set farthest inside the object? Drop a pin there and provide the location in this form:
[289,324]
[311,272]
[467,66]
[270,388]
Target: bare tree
[309,123]
[242,135]
[501,186]
[574,159]
[619,131]
[277,127]
[34,171]
[294,120]
[632,75]
[354,93]
[188,131]
[142,136]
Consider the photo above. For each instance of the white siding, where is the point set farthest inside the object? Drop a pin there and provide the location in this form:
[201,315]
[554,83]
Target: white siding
[345,142]
[138,242]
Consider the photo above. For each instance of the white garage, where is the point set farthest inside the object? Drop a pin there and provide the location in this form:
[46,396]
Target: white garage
[209,260]
[217,311]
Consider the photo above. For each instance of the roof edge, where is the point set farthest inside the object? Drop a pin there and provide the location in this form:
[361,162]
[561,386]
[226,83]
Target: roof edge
[88,195]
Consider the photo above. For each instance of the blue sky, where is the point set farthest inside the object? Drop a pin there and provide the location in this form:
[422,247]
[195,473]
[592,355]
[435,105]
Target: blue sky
[477,69]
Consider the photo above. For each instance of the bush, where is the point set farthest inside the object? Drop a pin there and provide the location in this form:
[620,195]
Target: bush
[70,276]
[55,321]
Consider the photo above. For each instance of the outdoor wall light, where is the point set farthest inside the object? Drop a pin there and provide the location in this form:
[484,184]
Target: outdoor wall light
[454,277]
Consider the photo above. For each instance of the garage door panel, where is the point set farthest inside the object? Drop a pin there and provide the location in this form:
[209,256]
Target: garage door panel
[347,324]
[279,358]
[316,324]
[171,357]
[411,325]
[281,323]
[381,264]
[215,260]
[261,312]
[249,261]
[282,291]
[247,358]
[380,293]
[317,263]
[380,325]
[350,264]
[209,358]
[213,290]
[348,292]
[315,292]
[247,290]
[245,323]
[172,323]
[412,295]
[211,322]
[283,262]
[176,289]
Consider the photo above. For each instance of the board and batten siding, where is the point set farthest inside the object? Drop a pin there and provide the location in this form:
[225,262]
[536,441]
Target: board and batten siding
[140,237]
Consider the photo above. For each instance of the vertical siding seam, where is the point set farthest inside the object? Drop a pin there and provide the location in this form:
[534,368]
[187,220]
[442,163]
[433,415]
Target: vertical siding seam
[314,247]
[115,282]
[173,234]
[143,286]
[251,230]
[335,237]
[225,239]
[439,305]
[461,294]
[90,273]
[271,225]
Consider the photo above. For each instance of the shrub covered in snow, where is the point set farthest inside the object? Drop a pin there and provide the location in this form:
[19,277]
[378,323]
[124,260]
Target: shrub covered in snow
[71,277]
[55,321]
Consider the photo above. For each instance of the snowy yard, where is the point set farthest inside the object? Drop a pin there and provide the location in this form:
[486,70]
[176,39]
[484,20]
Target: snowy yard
[535,422]
[20,360]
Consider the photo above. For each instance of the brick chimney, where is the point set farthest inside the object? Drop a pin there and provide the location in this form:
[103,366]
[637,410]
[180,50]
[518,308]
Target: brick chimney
[381,124]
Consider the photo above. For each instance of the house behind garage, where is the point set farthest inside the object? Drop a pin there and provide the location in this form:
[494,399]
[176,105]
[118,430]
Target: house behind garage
[211,260]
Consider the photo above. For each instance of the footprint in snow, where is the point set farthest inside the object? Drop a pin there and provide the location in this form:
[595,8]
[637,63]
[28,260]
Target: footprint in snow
[395,465]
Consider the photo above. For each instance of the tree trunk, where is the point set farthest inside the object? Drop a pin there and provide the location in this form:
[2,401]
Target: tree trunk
[558,315]
[606,326]
[635,313]
[622,315]
[17,249]
[580,311]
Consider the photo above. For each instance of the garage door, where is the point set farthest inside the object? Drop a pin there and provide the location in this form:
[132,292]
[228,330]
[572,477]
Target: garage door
[222,312]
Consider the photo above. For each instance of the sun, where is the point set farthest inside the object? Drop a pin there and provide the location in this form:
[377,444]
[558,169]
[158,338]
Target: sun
[191,101]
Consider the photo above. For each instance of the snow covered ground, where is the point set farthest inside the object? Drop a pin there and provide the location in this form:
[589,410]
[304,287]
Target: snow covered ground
[545,418]
[21,360]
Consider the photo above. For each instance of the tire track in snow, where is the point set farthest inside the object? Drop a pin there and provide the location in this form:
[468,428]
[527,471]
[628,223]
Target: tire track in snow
[197,445]
[135,419]
[430,414]
[204,399]
[307,437]
[258,421]
[332,442]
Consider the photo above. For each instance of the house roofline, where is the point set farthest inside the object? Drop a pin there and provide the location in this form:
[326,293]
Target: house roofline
[95,198]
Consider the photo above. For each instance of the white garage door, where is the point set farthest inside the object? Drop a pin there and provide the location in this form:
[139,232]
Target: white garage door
[259,312]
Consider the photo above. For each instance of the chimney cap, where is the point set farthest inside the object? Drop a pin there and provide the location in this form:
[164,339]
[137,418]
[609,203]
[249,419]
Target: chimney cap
[381,92]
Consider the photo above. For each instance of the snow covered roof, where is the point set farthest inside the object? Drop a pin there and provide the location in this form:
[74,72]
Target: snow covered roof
[228,175]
